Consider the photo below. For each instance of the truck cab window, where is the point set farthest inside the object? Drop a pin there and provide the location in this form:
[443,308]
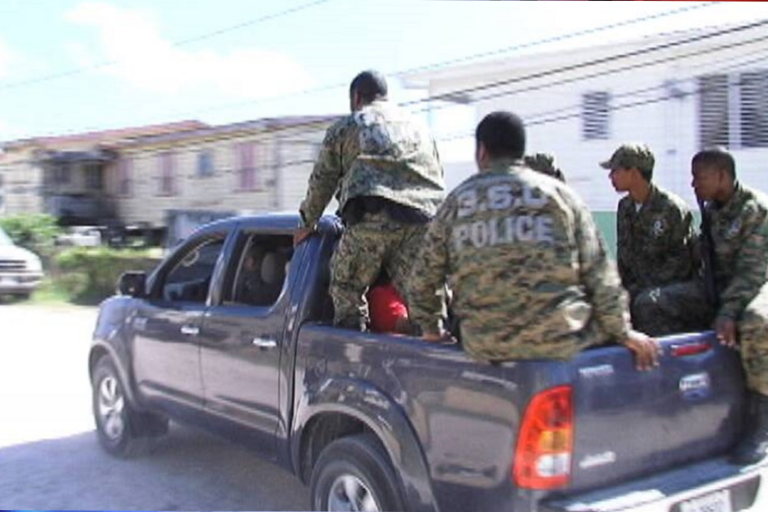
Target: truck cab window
[262,269]
[190,278]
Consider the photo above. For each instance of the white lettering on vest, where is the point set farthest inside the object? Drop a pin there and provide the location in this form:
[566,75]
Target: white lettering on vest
[504,230]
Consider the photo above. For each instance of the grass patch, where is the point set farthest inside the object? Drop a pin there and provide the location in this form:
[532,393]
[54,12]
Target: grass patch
[49,293]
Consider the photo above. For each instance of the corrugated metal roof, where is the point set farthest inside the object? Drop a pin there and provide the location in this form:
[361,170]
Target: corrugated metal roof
[105,137]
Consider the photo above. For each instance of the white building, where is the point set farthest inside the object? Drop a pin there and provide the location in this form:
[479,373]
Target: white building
[676,92]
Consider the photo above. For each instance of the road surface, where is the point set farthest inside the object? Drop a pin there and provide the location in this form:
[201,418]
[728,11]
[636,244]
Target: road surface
[49,456]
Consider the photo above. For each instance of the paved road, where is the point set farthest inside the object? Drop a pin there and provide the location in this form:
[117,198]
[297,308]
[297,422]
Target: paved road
[49,457]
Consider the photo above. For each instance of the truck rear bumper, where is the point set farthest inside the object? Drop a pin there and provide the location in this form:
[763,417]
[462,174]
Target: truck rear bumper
[711,486]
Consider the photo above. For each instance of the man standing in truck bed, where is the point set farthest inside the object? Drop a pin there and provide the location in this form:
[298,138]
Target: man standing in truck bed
[529,271]
[738,220]
[384,168]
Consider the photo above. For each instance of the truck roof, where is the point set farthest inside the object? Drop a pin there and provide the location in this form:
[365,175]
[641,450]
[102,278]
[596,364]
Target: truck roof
[278,221]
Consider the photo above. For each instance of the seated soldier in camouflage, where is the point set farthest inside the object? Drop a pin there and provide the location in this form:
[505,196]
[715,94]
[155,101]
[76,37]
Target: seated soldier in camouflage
[654,232]
[738,217]
[382,164]
[526,264]
[544,163]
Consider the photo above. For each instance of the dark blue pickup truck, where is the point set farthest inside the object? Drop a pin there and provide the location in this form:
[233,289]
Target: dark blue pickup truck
[232,333]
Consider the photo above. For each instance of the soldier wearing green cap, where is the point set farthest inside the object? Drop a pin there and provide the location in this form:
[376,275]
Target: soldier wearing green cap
[654,230]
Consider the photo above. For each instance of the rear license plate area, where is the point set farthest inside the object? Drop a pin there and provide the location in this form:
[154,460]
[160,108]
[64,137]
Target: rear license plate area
[718,501]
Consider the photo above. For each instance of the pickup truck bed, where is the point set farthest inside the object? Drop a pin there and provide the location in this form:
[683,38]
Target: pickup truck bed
[377,421]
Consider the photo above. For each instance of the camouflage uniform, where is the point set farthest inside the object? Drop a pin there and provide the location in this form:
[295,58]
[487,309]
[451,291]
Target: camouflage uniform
[654,247]
[379,151]
[740,239]
[654,244]
[527,267]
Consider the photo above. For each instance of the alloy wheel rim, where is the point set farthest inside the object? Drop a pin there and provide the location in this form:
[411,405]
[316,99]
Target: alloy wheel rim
[349,493]
[110,405]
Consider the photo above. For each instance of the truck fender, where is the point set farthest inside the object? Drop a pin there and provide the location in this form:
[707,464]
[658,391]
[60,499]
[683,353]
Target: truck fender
[385,418]
[109,338]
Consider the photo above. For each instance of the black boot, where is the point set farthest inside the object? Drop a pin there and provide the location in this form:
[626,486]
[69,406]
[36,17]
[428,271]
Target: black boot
[754,444]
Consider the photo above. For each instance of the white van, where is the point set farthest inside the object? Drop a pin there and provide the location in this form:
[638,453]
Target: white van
[20,270]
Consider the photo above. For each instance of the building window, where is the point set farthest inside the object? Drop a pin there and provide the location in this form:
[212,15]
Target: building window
[205,163]
[714,123]
[62,173]
[246,166]
[595,111]
[167,174]
[733,110]
[94,178]
[754,109]
[124,177]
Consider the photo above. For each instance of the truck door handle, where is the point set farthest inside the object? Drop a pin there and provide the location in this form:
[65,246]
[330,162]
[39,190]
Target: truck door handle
[190,330]
[264,343]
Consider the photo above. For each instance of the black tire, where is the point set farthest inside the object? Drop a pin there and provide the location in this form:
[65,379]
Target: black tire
[354,473]
[122,431]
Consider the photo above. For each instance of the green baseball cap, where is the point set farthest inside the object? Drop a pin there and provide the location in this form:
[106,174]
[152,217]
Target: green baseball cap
[628,156]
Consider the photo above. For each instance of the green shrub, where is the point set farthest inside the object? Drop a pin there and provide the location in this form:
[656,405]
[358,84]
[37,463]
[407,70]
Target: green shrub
[74,284]
[35,231]
[91,273]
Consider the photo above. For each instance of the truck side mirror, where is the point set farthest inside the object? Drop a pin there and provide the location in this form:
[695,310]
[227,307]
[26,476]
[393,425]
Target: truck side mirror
[132,284]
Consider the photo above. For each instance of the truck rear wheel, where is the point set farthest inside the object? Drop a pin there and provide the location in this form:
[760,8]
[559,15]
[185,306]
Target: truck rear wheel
[122,431]
[354,473]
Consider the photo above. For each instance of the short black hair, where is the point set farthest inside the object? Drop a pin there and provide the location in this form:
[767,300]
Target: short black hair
[503,135]
[647,174]
[716,157]
[370,85]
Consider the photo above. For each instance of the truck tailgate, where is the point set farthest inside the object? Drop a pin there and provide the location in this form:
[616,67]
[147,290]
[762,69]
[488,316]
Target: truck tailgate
[630,423]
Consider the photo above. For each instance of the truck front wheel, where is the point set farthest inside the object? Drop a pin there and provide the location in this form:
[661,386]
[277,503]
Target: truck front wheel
[354,474]
[121,430]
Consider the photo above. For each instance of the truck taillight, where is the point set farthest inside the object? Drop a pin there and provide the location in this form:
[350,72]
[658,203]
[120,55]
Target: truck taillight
[545,444]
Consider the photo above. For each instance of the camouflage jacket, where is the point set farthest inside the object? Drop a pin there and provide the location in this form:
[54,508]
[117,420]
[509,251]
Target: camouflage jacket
[655,243]
[740,239]
[527,267]
[379,151]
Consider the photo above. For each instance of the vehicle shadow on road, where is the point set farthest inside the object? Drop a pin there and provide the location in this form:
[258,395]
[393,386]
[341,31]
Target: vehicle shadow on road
[187,470]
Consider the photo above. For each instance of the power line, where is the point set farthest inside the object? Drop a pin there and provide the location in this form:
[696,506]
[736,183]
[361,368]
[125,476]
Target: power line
[566,113]
[732,66]
[314,126]
[605,60]
[546,117]
[599,74]
[235,172]
[594,62]
[183,42]
[468,58]
[598,61]
[565,37]
[532,76]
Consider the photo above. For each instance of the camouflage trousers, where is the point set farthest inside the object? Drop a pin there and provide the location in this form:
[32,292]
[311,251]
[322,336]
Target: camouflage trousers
[365,249]
[683,307]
